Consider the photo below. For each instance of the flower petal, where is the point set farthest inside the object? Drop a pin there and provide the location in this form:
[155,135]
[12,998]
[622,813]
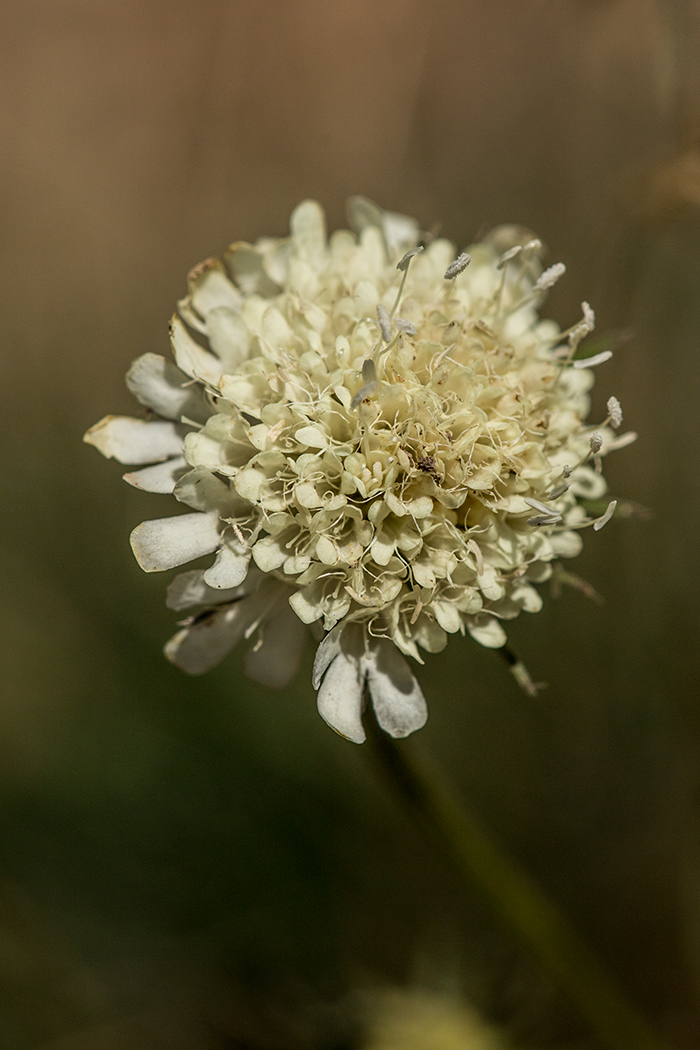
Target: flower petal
[166,542]
[276,661]
[397,698]
[192,358]
[162,477]
[229,569]
[340,697]
[161,386]
[135,441]
[487,631]
[190,588]
[325,654]
[198,648]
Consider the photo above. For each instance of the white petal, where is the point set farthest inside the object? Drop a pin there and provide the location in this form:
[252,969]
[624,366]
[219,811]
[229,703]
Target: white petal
[276,661]
[161,477]
[566,544]
[270,553]
[189,588]
[230,568]
[198,648]
[135,441]
[340,697]
[166,542]
[161,386]
[210,287]
[326,653]
[229,336]
[308,228]
[487,631]
[193,359]
[246,265]
[202,490]
[401,232]
[397,698]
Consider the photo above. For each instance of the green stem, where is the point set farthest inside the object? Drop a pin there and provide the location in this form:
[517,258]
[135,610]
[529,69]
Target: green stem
[538,923]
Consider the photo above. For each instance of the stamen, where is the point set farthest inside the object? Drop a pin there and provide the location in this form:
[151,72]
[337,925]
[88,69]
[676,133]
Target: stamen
[507,256]
[544,519]
[558,490]
[549,277]
[615,412]
[458,266]
[591,362]
[403,265]
[404,261]
[596,443]
[588,316]
[542,507]
[384,322]
[598,525]
[405,326]
[369,374]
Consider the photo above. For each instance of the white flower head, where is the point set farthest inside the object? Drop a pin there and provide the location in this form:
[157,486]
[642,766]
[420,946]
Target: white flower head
[369,475]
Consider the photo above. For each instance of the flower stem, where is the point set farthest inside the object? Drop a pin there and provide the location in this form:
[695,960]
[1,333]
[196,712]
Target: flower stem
[538,923]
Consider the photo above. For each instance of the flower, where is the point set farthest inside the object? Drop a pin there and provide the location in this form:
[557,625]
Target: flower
[361,428]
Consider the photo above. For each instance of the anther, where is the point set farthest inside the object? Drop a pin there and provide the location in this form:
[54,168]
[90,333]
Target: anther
[384,322]
[591,362]
[402,264]
[558,490]
[405,326]
[596,443]
[615,412]
[458,266]
[598,525]
[550,277]
[507,256]
[588,316]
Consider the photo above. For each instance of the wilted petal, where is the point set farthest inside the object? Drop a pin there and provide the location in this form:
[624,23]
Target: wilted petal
[166,542]
[190,588]
[276,661]
[198,648]
[166,390]
[397,698]
[135,441]
[161,477]
[340,697]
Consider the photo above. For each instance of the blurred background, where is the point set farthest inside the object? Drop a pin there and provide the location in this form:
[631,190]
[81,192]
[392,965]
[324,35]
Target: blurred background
[202,863]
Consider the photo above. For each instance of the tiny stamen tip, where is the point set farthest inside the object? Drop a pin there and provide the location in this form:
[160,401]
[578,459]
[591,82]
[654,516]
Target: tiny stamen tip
[596,442]
[405,326]
[598,525]
[614,411]
[458,266]
[403,262]
[550,277]
[384,322]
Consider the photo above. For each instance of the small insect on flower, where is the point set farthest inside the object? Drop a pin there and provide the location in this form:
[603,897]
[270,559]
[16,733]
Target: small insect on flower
[359,430]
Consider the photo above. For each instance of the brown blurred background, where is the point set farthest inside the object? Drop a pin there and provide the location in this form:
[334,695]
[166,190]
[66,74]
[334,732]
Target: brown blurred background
[201,863]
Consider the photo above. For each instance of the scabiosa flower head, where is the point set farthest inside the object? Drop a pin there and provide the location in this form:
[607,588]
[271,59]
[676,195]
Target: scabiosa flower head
[361,428]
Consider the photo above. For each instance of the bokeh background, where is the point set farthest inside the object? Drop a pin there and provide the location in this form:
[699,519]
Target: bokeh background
[202,863]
